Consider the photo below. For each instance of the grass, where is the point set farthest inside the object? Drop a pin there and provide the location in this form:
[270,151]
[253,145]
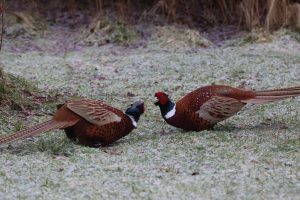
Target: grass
[123,34]
[253,155]
[103,30]
[15,92]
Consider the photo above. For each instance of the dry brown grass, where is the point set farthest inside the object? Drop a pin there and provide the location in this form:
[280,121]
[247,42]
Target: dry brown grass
[247,14]
[294,16]
[277,14]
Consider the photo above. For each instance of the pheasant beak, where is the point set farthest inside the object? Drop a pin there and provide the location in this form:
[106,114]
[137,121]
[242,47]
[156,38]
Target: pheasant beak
[156,102]
[142,108]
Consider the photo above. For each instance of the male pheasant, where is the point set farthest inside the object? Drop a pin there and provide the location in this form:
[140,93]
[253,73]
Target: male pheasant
[206,106]
[90,121]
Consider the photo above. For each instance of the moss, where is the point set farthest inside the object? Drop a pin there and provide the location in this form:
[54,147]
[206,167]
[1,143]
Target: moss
[104,30]
[123,34]
[255,36]
[23,23]
[288,145]
[16,92]
[288,32]
[176,37]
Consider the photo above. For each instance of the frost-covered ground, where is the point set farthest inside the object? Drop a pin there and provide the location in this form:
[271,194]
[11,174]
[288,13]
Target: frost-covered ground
[253,155]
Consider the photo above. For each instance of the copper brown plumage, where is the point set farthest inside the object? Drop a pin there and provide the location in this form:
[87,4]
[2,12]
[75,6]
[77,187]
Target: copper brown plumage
[206,106]
[90,121]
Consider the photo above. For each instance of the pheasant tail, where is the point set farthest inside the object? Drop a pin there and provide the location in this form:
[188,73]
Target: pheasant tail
[273,95]
[37,129]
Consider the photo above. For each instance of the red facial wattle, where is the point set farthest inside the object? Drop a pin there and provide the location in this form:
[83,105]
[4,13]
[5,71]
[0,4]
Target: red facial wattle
[162,98]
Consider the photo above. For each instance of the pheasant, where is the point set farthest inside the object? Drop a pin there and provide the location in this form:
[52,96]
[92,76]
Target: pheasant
[90,121]
[206,106]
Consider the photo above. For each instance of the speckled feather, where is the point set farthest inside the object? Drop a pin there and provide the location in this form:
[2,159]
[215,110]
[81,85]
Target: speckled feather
[89,134]
[95,111]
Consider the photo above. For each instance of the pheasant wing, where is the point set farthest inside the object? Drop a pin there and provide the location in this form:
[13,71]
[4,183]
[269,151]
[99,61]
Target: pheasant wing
[219,108]
[94,111]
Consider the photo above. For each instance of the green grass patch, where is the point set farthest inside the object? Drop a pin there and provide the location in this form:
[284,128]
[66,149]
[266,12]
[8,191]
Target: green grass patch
[287,145]
[16,92]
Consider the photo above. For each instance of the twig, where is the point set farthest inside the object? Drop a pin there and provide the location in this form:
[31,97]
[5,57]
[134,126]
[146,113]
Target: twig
[2,29]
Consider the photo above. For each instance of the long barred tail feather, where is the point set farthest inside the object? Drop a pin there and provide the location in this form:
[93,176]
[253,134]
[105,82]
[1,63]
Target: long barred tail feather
[37,129]
[273,95]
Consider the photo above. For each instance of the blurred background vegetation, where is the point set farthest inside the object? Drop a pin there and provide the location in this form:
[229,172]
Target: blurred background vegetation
[244,14]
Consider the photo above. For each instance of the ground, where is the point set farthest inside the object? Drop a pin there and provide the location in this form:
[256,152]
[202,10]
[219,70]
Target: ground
[253,155]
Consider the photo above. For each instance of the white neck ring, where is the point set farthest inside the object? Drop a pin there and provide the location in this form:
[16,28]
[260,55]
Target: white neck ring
[171,113]
[132,120]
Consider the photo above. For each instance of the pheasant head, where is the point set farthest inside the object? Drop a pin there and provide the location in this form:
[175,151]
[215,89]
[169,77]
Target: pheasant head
[135,111]
[167,107]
